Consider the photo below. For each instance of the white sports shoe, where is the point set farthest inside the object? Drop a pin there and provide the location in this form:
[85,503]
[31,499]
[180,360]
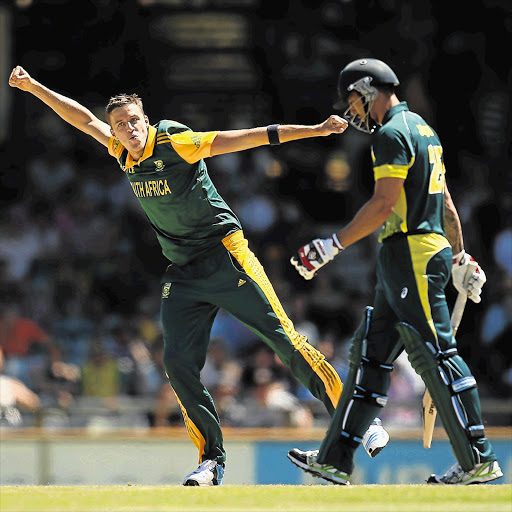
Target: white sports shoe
[375,438]
[481,473]
[207,473]
[307,462]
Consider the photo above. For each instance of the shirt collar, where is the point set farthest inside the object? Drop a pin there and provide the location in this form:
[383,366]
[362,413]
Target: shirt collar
[148,149]
[394,110]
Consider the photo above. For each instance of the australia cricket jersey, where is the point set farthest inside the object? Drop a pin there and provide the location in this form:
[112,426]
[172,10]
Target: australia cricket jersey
[405,146]
[171,182]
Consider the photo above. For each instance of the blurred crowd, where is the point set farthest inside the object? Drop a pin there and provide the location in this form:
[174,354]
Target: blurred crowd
[79,308]
[80,268]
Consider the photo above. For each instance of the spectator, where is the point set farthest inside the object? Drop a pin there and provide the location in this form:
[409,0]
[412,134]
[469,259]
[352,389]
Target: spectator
[73,329]
[101,377]
[406,387]
[14,394]
[133,358]
[220,367]
[19,335]
[21,242]
[269,402]
[27,347]
[51,171]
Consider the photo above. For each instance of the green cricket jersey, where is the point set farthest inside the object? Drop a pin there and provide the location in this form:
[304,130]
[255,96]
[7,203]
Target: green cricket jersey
[405,146]
[171,182]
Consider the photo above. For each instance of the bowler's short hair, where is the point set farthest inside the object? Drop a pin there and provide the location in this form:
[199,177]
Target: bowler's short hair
[121,100]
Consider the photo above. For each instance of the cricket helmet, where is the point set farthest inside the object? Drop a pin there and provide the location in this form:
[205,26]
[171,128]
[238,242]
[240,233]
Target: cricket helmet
[359,74]
[362,76]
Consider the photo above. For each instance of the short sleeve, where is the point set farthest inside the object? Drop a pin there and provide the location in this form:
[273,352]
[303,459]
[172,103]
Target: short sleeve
[392,155]
[192,146]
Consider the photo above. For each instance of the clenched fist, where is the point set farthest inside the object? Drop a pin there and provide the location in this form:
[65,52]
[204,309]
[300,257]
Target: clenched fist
[334,124]
[20,78]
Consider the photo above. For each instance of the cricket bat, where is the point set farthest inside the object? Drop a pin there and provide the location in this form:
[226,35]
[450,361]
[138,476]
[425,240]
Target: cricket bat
[429,409]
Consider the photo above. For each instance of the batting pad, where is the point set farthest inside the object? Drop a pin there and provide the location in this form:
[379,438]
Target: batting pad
[426,365]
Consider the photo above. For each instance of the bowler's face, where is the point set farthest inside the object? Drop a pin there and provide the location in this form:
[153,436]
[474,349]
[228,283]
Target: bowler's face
[129,126]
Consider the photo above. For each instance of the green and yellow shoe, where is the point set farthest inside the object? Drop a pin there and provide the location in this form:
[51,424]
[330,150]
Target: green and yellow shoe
[307,462]
[480,474]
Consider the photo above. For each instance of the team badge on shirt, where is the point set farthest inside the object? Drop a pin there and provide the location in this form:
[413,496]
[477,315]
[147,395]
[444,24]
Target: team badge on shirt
[166,290]
[159,165]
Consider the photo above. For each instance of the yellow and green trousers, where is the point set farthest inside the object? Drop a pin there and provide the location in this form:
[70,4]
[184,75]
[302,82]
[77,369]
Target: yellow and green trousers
[233,279]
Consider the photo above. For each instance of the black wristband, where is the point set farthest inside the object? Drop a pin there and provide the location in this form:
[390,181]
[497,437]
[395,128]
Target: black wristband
[273,135]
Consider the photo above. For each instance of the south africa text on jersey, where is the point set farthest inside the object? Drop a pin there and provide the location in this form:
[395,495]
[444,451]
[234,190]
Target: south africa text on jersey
[153,188]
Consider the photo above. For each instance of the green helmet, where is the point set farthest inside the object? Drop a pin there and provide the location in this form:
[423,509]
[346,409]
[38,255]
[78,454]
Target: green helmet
[363,71]
[362,76]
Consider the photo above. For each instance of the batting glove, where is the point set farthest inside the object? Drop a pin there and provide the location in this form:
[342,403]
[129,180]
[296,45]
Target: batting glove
[467,276]
[315,255]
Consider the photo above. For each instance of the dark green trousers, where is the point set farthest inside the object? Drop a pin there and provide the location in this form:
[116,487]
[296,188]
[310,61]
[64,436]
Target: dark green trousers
[412,273]
[230,278]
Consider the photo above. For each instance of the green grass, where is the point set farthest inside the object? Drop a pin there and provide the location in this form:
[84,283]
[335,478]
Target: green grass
[257,498]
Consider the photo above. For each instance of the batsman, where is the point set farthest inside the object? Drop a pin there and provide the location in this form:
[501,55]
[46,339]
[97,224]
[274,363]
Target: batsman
[422,247]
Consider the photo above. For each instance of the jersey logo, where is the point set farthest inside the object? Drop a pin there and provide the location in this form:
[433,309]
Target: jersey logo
[196,139]
[424,130]
[404,292]
[115,146]
[166,290]
[241,282]
[152,188]
[159,165]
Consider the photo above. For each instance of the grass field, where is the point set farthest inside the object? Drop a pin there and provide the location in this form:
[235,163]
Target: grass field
[257,498]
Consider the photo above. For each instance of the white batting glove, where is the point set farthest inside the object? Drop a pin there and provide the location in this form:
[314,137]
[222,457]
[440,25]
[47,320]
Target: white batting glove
[315,255]
[467,276]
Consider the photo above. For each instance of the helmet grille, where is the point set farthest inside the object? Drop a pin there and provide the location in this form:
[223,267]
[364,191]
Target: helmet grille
[363,86]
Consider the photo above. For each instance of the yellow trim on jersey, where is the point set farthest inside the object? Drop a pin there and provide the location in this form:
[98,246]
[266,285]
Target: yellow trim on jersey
[192,146]
[397,221]
[193,432]
[148,149]
[115,148]
[238,246]
[422,248]
[391,171]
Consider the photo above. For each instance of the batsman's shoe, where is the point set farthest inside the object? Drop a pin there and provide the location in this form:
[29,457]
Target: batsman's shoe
[480,474]
[375,438]
[209,472]
[307,462]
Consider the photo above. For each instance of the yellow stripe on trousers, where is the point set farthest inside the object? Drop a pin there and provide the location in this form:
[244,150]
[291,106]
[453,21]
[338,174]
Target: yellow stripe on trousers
[423,248]
[193,432]
[238,246]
